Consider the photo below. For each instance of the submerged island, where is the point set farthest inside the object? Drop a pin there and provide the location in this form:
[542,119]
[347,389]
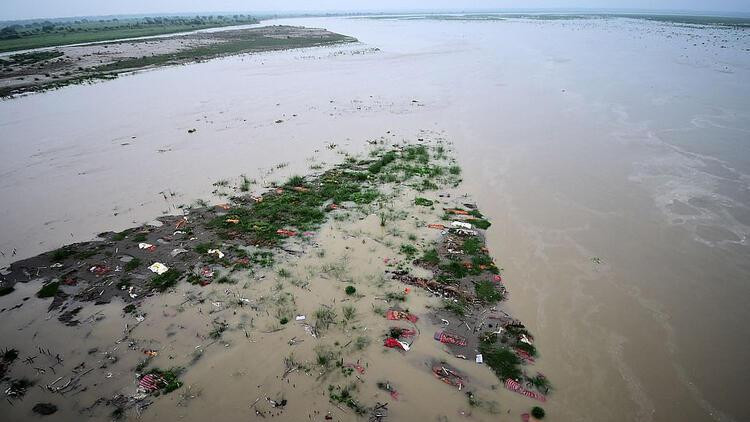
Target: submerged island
[345,270]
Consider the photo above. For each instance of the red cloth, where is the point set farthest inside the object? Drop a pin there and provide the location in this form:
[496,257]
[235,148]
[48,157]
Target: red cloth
[395,315]
[149,383]
[516,387]
[525,355]
[393,343]
[448,338]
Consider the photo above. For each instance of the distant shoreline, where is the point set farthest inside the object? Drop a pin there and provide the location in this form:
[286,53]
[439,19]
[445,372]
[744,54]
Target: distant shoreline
[50,69]
[34,34]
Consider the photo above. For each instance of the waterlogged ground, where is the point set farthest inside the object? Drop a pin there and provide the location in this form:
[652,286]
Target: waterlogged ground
[297,320]
[615,177]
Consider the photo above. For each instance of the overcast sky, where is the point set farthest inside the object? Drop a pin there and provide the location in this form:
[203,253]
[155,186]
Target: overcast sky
[21,9]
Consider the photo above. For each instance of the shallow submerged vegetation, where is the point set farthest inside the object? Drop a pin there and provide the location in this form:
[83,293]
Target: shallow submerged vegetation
[460,266]
[301,204]
[296,206]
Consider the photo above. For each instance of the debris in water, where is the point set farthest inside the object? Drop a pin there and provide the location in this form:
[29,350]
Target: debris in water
[158,268]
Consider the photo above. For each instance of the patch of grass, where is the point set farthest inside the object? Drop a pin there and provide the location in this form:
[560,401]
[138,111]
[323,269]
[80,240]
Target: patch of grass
[350,290]
[408,250]
[9,355]
[457,308]
[325,356]
[396,296]
[202,248]
[537,412]
[284,273]
[455,269]
[479,223]
[425,185]
[348,313]
[378,165]
[475,213]
[296,180]
[424,202]
[139,237]
[283,320]
[431,257]
[6,290]
[540,382]
[48,290]
[361,342]
[170,378]
[324,317]
[486,292]
[133,264]
[454,170]
[245,184]
[417,153]
[33,57]
[63,253]
[166,280]
[483,260]
[262,258]
[121,235]
[225,280]
[501,360]
[472,246]
[20,386]
[129,309]
[345,395]
[218,330]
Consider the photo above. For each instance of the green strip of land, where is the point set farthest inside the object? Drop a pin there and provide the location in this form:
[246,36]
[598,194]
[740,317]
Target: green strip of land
[38,34]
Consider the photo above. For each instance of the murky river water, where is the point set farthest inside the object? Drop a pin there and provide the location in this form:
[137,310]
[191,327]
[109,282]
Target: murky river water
[613,139]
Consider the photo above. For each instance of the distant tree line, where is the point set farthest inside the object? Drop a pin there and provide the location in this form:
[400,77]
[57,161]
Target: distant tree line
[19,30]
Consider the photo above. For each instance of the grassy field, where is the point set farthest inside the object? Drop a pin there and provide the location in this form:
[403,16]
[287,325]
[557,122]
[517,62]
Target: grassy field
[51,69]
[243,43]
[37,34]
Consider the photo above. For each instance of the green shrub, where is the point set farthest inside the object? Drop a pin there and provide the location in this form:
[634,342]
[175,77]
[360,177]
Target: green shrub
[431,257]
[487,293]
[501,360]
[408,250]
[165,280]
[48,290]
[133,264]
[423,202]
[537,412]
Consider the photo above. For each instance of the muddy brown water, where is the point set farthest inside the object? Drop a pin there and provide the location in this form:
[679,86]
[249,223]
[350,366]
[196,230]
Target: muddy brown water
[632,149]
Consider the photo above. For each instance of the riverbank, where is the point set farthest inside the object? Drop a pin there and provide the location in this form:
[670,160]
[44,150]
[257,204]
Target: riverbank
[39,33]
[51,69]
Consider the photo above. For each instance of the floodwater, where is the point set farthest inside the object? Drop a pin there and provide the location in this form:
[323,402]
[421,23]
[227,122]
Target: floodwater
[612,156]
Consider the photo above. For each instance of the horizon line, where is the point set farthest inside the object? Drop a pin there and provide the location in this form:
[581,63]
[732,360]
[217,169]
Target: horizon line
[324,12]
